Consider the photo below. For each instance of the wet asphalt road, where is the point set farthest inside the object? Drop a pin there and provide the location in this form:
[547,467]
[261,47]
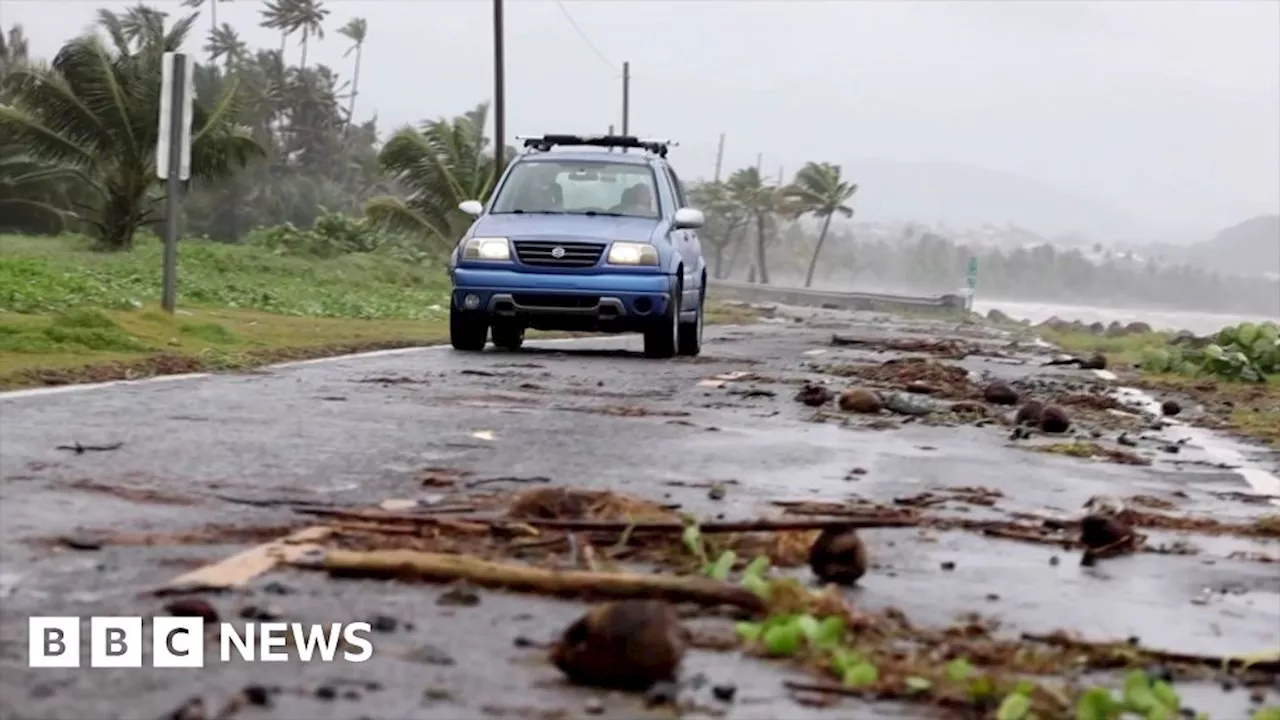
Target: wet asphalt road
[321,432]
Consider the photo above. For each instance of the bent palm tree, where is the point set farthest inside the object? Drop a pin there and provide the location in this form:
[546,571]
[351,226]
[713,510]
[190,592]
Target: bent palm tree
[356,30]
[225,44]
[818,190]
[760,202]
[92,114]
[442,164]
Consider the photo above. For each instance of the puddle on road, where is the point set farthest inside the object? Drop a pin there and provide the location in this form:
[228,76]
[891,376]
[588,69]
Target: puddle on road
[1215,446]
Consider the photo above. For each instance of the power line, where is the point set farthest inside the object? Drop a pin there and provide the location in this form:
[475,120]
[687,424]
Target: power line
[603,58]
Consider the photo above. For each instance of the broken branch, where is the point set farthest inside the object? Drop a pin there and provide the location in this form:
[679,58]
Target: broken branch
[1267,664]
[446,568]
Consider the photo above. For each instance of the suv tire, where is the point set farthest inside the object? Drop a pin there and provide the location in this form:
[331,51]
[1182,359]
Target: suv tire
[662,338]
[468,331]
[689,342]
[508,335]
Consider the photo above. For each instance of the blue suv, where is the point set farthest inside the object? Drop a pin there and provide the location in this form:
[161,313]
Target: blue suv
[587,234]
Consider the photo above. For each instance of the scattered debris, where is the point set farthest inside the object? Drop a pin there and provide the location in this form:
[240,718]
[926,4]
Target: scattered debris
[134,493]
[566,503]
[1053,419]
[814,395]
[861,400]
[1082,449]
[79,449]
[838,556]
[629,645]
[1170,408]
[483,435]
[1000,393]
[440,567]
[1104,536]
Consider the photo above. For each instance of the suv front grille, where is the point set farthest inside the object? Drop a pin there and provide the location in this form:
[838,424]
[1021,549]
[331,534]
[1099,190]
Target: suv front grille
[555,301]
[576,254]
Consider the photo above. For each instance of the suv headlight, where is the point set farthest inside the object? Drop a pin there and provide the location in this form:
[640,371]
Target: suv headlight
[632,253]
[486,248]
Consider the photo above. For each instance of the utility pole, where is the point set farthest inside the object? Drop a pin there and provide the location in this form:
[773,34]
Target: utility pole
[626,97]
[499,92]
[759,162]
[173,161]
[719,157]
[611,135]
[780,175]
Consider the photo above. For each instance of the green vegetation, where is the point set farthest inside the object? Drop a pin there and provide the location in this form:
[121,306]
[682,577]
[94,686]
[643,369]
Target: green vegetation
[1246,352]
[48,275]
[1234,374]
[810,627]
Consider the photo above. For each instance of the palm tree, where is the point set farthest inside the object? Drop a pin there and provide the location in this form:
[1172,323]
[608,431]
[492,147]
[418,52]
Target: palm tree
[818,190]
[440,165]
[213,18]
[725,218]
[13,47]
[760,201]
[225,44]
[307,16]
[92,113]
[277,16]
[356,30]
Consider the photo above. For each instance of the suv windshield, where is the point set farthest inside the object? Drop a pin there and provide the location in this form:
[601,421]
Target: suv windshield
[579,188]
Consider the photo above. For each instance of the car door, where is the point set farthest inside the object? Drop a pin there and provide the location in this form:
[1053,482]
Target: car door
[688,246]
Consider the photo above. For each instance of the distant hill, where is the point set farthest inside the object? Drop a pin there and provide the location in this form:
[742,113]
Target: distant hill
[968,196]
[1249,248]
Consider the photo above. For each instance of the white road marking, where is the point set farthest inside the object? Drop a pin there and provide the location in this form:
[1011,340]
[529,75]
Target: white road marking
[59,389]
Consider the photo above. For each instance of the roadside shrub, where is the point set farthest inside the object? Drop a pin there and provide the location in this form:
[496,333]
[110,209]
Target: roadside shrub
[1248,352]
[335,234]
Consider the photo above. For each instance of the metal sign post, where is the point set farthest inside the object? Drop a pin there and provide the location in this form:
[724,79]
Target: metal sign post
[972,282]
[173,159]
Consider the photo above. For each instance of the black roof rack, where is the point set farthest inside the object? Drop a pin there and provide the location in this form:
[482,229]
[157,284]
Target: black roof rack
[543,143]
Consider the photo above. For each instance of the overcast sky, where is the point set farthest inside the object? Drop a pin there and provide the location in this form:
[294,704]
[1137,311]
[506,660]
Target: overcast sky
[1169,111]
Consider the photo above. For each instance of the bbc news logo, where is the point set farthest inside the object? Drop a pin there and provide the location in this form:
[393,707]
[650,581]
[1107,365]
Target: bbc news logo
[178,642]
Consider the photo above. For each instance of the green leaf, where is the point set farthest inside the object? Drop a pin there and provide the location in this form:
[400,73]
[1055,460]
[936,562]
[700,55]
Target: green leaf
[758,586]
[982,689]
[758,567]
[808,625]
[723,565]
[861,675]
[1166,695]
[959,670]
[1137,692]
[692,537]
[783,640]
[1015,707]
[749,631]
[1097,704]
[1271,712]
[1024,687]
[844,659]
[830,632]
[918,684]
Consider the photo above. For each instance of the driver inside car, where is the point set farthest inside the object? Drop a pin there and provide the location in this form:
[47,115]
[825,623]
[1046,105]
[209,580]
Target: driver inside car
[636,200]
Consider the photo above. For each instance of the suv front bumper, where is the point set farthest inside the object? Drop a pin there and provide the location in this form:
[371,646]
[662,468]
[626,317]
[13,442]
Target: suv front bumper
[559,301]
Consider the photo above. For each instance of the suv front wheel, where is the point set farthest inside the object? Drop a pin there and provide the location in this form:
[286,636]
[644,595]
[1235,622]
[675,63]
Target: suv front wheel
[663,337]
[468,331]
[689,342]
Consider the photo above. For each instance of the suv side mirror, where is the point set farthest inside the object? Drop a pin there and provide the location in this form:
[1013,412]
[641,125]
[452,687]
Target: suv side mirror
[471,207]
[688,218]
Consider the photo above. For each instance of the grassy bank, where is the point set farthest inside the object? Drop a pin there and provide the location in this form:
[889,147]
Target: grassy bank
[1248,408]
[68,314]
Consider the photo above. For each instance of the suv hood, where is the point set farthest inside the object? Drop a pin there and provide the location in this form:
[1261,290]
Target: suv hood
[600,228]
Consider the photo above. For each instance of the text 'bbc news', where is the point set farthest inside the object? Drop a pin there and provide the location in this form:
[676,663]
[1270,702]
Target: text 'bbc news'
[179,642]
